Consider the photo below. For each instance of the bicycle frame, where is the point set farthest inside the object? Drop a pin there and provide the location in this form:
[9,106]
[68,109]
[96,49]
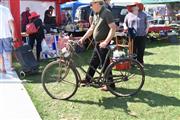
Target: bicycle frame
[66,64]
[100,79]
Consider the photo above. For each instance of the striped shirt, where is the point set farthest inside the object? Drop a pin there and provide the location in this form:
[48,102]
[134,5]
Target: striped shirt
[138,22]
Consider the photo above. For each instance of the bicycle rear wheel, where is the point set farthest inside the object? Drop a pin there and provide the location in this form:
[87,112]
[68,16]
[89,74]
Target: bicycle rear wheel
[59,80]
[128,77]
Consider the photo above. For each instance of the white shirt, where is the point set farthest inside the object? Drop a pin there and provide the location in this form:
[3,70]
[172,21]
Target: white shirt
[5,16]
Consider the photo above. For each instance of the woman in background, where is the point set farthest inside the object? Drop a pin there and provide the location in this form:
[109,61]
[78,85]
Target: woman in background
[136,19]
[39,36]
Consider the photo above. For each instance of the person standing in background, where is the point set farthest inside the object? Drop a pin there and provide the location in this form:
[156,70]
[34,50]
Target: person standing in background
[7,36]
[136,19]
[39,36]
[24,19]
[48,18]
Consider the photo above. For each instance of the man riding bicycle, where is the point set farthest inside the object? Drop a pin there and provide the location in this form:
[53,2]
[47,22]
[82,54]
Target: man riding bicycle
[103,30]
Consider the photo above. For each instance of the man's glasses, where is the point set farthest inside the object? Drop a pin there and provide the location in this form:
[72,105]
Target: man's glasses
[92,3]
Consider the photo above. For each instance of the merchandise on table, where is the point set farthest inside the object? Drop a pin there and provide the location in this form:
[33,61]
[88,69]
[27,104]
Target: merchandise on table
[55,43]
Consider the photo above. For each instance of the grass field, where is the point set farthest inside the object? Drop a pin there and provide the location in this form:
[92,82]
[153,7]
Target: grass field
[158,100]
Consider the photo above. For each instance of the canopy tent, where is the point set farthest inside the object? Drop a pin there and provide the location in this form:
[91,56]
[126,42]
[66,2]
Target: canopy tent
[15,10]
[71,6]
[158,1]
[172,7]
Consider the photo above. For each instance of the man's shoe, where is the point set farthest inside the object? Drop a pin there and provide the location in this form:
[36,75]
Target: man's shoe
[104,88]
[112,86]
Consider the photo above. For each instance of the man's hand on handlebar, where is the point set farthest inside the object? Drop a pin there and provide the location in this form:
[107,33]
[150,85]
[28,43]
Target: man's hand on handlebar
[80,42]
[103,44]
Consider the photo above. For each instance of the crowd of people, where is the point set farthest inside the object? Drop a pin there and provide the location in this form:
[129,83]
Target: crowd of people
[102,29]
[33,17]
[135,19]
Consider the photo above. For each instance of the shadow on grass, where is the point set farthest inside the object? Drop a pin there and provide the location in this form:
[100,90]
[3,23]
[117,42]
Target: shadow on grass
[147,97]
[161,71]
[81,60]
[34,77]
[148,53]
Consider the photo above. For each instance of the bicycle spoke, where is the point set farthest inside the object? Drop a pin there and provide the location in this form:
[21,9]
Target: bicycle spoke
[68,82]
[117,78]
[131,76]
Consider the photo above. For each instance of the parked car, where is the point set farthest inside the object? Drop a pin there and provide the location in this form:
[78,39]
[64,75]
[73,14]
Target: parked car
[83,12]
[119,13]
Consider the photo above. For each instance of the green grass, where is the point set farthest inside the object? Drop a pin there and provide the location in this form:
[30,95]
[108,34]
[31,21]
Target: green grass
[158,100]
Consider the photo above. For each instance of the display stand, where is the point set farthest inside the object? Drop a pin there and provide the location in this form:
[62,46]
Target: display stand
[124,42]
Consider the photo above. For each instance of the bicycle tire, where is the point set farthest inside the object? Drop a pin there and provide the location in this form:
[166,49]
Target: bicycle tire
[125,69]
[54,75]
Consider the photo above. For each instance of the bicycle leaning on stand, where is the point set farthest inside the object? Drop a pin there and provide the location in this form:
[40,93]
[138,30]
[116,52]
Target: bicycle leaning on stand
[61,78]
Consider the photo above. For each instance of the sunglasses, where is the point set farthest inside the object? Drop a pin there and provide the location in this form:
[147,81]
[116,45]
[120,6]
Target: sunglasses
[91,4]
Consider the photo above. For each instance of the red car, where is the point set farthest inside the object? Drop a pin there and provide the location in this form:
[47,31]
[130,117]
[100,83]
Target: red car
[158,25]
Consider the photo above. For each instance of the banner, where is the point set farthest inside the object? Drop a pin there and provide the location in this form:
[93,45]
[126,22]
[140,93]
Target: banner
[158,1]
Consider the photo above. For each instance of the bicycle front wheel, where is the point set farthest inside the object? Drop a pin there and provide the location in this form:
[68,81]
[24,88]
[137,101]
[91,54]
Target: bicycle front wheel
[59,80]
[127,75]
